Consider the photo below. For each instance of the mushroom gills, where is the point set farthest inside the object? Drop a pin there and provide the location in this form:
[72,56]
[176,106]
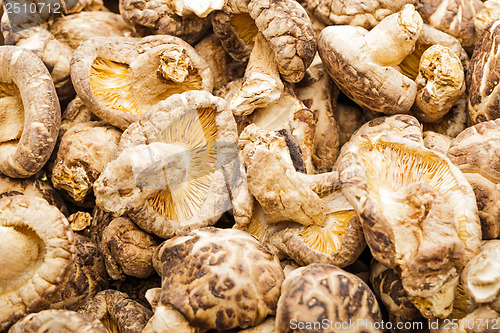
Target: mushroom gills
[328,239]
[245,27]
[11,113]
[197,131]
[113,85]
[410,65]
[24,249]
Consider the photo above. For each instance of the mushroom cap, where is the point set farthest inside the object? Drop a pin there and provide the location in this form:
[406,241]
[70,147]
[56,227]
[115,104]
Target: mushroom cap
[75,29]
[475,151]
[122,77]
[366,14]
[482,77]
[40,258]
[84,150]
[193,128]
[284,24]
[455,17]
[317,292]
[42,115]
[219,278]
[58,321]
[159,18]
[379,178]
[117,312]
[375,87]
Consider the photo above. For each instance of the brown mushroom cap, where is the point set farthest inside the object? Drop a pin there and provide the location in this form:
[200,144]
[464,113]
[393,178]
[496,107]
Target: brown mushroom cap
[285,25]
[366,14]
[194,126]
[117,312]
[317,292]
[482,78]
[219,278]
[359,63]
[122,77]
[58,321]
[378,177]
[41,251]
[475,152]
[84,151]
[24,155]
[159,17]
[455,17]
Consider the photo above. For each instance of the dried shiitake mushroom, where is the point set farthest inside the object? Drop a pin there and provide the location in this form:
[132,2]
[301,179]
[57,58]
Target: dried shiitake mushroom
[86,278]
[481,320]
[84,150]
[362,63]
[284,193]
[395,184]
[475,153]
[282,26]
[454,122]
[122,77]
[29,112]
[117,312]
[267,326]
[127,249]
[173,169]
[33,186]
[482,78]
[436,141]
[320,292]
[366,14]
[387,285]
[169,17]
[455,17]
[217,279]
[38,248]
[487,15]
[58,321]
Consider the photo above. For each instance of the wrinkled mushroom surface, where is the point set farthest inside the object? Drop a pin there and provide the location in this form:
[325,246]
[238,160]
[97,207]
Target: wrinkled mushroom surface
[120,78]
[30,113]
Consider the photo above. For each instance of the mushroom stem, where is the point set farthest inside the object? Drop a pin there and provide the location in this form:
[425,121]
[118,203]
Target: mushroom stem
[394,37]
[22,253]
[262,83]
[175,64]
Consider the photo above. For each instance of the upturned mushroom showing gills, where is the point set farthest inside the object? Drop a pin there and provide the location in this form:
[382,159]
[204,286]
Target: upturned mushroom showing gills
[29,112]
[418,211]
[362,63]
[177,168]
[120,78]
[38,251]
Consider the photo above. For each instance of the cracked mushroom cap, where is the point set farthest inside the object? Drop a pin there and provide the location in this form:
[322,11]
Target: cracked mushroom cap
[388,287]
[360,64]
[168,17]
[319,291]
[339,242]
[285,25]
[57,321]
[475,152]
[482,79]
[395,185]
[366,14]
[41,251]
[219,278]
[117,312]
[489,13]
[120,78]
[192,136]
[455,17]
[454,122]
[30,113]
[84,150]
